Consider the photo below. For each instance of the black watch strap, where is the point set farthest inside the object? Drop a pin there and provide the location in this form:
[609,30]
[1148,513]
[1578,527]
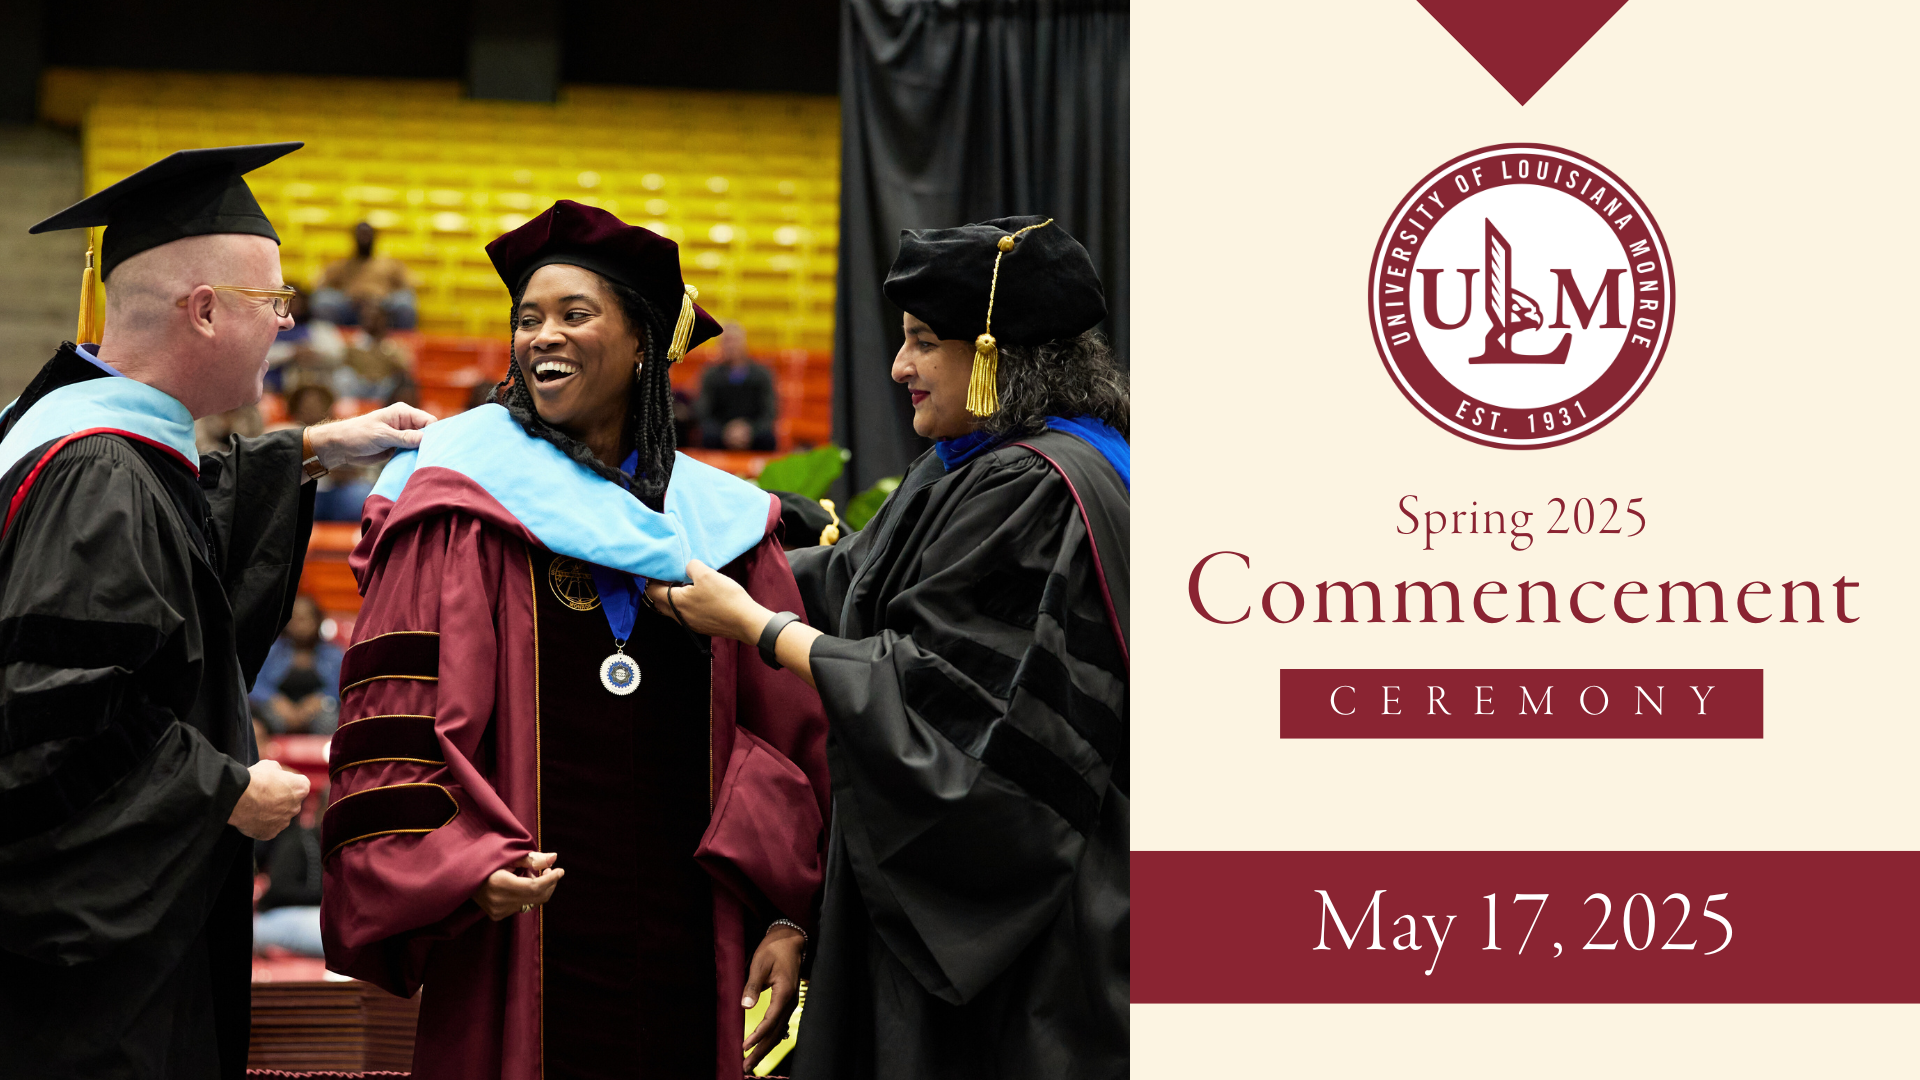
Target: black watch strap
[772,634]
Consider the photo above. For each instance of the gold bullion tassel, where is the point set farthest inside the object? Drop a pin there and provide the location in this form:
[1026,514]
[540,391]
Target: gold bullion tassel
[682,327]
[86,333]
[983,389]
[830,535]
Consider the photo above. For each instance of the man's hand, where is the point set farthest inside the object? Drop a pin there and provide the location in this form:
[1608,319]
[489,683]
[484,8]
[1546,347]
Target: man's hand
[366,440]
[274,794]
[776,965]
[527,883]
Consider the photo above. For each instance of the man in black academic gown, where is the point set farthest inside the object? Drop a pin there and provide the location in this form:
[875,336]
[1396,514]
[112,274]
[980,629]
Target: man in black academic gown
[141,585]
[974,670]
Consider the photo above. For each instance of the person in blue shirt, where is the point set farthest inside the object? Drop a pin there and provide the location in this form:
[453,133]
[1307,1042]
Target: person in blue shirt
[298,691]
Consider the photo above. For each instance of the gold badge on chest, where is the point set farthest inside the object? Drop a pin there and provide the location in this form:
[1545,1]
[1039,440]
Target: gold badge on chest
[572,583]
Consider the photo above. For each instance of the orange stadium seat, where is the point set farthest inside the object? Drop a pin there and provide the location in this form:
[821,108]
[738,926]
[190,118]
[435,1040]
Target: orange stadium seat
[326,576]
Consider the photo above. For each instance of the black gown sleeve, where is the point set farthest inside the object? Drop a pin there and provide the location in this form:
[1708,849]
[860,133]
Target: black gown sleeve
[263,516]
[974,738]
[111,807]
[822,571]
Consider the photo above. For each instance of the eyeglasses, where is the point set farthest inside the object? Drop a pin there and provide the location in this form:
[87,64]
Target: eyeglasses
[282,298]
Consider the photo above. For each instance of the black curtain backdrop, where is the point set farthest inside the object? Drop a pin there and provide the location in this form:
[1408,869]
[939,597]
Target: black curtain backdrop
[956,111]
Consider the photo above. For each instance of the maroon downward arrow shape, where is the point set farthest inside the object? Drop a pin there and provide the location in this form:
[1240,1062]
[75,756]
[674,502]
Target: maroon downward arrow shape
[1522,43]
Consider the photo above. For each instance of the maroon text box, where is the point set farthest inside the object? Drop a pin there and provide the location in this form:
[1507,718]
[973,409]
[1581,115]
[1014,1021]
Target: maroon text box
[1799,926]
[1521,703]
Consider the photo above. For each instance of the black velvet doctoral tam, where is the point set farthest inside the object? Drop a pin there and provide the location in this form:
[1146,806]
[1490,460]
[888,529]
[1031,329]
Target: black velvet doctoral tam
[1047,290]
[188,193]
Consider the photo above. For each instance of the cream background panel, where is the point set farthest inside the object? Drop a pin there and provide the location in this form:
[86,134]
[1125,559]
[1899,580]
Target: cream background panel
[1564,1042]
[1774,144]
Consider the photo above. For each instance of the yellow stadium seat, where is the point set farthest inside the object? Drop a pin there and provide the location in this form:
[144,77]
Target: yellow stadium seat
[747,184]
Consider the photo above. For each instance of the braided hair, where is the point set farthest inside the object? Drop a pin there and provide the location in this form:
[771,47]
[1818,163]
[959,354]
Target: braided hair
[649,424]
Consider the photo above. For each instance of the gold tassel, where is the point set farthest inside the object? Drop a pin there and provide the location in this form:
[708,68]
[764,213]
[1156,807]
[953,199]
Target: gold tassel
[983,389]
[86,333]
[682,327]
[830,535]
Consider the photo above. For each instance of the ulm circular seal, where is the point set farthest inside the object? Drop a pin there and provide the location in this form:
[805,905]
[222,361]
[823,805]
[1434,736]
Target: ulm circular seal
[1521,296]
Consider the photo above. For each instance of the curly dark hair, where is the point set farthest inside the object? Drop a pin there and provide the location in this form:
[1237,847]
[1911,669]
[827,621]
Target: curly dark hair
[1071,377]
[649,424]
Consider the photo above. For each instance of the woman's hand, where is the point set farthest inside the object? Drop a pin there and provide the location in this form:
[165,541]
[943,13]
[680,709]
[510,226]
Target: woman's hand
[508,892]
[776,965]
[714,605]
[717,606]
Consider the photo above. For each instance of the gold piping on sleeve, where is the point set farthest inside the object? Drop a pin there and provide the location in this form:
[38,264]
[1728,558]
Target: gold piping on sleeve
[335,769]
[377,678]
[389,832]
[389,716]
[392,633]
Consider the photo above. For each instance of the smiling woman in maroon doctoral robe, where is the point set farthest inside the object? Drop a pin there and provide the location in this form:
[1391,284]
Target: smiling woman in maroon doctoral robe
[566,816]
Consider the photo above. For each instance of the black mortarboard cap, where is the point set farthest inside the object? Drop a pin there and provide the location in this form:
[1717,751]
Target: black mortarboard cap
[1045,289]
[189,193]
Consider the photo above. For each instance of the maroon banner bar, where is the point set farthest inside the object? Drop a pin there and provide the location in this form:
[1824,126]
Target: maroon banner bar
[1568,926]
[1521,703]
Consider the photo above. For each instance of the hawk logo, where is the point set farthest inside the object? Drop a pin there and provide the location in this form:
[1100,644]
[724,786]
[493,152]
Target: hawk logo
[1458,283]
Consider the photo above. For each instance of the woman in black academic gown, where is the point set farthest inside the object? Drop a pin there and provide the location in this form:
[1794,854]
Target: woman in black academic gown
[974,670]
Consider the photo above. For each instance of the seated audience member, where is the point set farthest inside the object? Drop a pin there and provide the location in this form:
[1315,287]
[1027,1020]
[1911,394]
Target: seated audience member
[737,405]
[377,367]
[363,280]
[311,367]
[313,343]
[682,418]
[298,691]
[339,494]
[210,432]
[287,910]
[343,492]
[307,404]
[480,393]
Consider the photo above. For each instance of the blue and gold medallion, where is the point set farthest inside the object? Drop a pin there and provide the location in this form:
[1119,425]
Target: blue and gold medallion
[618,673]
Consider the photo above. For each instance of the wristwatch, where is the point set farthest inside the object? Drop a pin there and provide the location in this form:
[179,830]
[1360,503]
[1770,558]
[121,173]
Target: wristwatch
[771,634]
[310,463]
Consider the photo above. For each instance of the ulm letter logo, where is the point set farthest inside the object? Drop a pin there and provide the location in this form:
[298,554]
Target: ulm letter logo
[1480,240]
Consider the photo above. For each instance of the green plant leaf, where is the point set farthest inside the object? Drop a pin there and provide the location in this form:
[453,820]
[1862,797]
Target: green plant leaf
[867,503]
[807,472]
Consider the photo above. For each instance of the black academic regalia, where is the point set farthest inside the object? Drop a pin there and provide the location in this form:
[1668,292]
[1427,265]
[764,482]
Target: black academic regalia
[976,908]
[137,602]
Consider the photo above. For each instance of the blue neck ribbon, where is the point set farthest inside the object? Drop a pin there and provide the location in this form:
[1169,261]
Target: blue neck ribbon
[619,591]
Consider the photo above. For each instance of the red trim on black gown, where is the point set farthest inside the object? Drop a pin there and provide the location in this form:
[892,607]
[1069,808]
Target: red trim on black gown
[20,494]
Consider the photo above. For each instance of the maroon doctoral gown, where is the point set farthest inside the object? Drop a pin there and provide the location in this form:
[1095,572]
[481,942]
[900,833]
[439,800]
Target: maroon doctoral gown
[475,730]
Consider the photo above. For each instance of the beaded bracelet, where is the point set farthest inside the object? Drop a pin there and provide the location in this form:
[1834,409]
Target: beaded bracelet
[789,922]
